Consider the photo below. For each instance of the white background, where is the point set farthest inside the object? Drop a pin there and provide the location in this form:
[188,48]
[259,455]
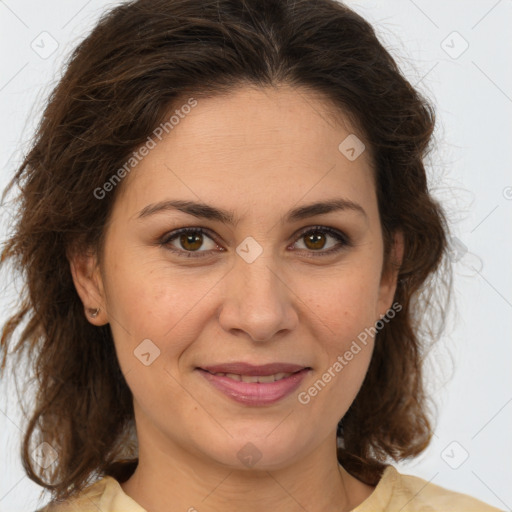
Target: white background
[469,172]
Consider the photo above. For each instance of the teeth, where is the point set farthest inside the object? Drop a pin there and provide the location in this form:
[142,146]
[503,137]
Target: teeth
[254,378]
[266,378]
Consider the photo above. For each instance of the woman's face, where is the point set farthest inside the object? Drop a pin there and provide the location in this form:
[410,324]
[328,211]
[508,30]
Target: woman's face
[267,281]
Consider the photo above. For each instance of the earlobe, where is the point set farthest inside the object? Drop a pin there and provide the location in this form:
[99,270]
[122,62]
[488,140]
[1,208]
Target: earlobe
[89,285]
[389,278]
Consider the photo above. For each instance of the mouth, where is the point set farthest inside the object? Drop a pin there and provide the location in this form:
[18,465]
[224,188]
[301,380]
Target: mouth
[254,378]
[255,385]
[248,369]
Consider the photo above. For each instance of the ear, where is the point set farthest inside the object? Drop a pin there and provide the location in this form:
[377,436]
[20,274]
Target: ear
[389,275]
[89,285]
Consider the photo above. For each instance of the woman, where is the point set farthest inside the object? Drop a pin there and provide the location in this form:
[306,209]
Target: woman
[227,239]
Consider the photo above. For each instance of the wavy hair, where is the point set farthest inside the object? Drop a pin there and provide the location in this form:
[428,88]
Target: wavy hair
[118,85]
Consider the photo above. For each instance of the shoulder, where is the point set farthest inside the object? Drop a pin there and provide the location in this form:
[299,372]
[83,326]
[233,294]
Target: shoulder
[105,494]
[83,502]
[408,493]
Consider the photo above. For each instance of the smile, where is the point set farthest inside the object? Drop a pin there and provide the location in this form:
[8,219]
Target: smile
[254,378]
[255,390]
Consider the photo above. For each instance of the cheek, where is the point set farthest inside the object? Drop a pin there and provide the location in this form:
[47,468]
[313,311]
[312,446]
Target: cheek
[153,323]
[150,296]
[344,317]
[156,311]
[344,301]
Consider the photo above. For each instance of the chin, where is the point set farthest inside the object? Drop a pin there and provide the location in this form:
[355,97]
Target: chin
[258,452]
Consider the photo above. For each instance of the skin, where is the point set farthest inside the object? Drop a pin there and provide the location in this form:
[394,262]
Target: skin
[259,153]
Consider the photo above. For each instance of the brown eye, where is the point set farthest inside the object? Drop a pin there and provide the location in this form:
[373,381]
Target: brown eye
[317,239]
[191,242]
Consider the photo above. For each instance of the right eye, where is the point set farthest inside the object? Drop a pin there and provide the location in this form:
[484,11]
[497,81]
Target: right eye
[190,240]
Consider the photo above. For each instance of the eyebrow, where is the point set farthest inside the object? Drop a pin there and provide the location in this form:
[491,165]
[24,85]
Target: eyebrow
[205,211]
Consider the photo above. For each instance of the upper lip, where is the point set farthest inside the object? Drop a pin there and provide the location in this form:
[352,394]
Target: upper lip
[240,368]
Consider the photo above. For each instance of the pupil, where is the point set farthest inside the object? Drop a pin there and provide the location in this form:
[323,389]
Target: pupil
[314,238]
[194,240]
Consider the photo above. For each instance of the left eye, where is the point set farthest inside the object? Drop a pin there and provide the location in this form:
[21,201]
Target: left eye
[314,239]
[192,239]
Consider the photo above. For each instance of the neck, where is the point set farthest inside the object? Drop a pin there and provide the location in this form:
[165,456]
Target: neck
[177,480]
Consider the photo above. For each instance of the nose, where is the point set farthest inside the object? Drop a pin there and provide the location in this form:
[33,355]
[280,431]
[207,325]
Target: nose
[258,302]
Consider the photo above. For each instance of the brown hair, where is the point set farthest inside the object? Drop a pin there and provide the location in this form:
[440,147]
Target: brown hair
[120,83]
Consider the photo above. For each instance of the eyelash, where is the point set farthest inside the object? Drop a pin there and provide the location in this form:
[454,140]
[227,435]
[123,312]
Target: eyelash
[339,236]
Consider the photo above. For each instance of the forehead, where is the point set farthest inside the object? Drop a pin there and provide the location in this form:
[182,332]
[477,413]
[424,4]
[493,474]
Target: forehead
[275,145]
[250,117]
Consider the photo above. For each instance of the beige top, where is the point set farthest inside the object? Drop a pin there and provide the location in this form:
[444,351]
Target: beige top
[394,492]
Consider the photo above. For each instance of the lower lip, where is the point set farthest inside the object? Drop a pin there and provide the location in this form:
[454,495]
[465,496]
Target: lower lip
[255,393]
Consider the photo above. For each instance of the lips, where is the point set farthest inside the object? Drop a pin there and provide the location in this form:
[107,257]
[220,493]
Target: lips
[254,378]
[246,369]
[255,385]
